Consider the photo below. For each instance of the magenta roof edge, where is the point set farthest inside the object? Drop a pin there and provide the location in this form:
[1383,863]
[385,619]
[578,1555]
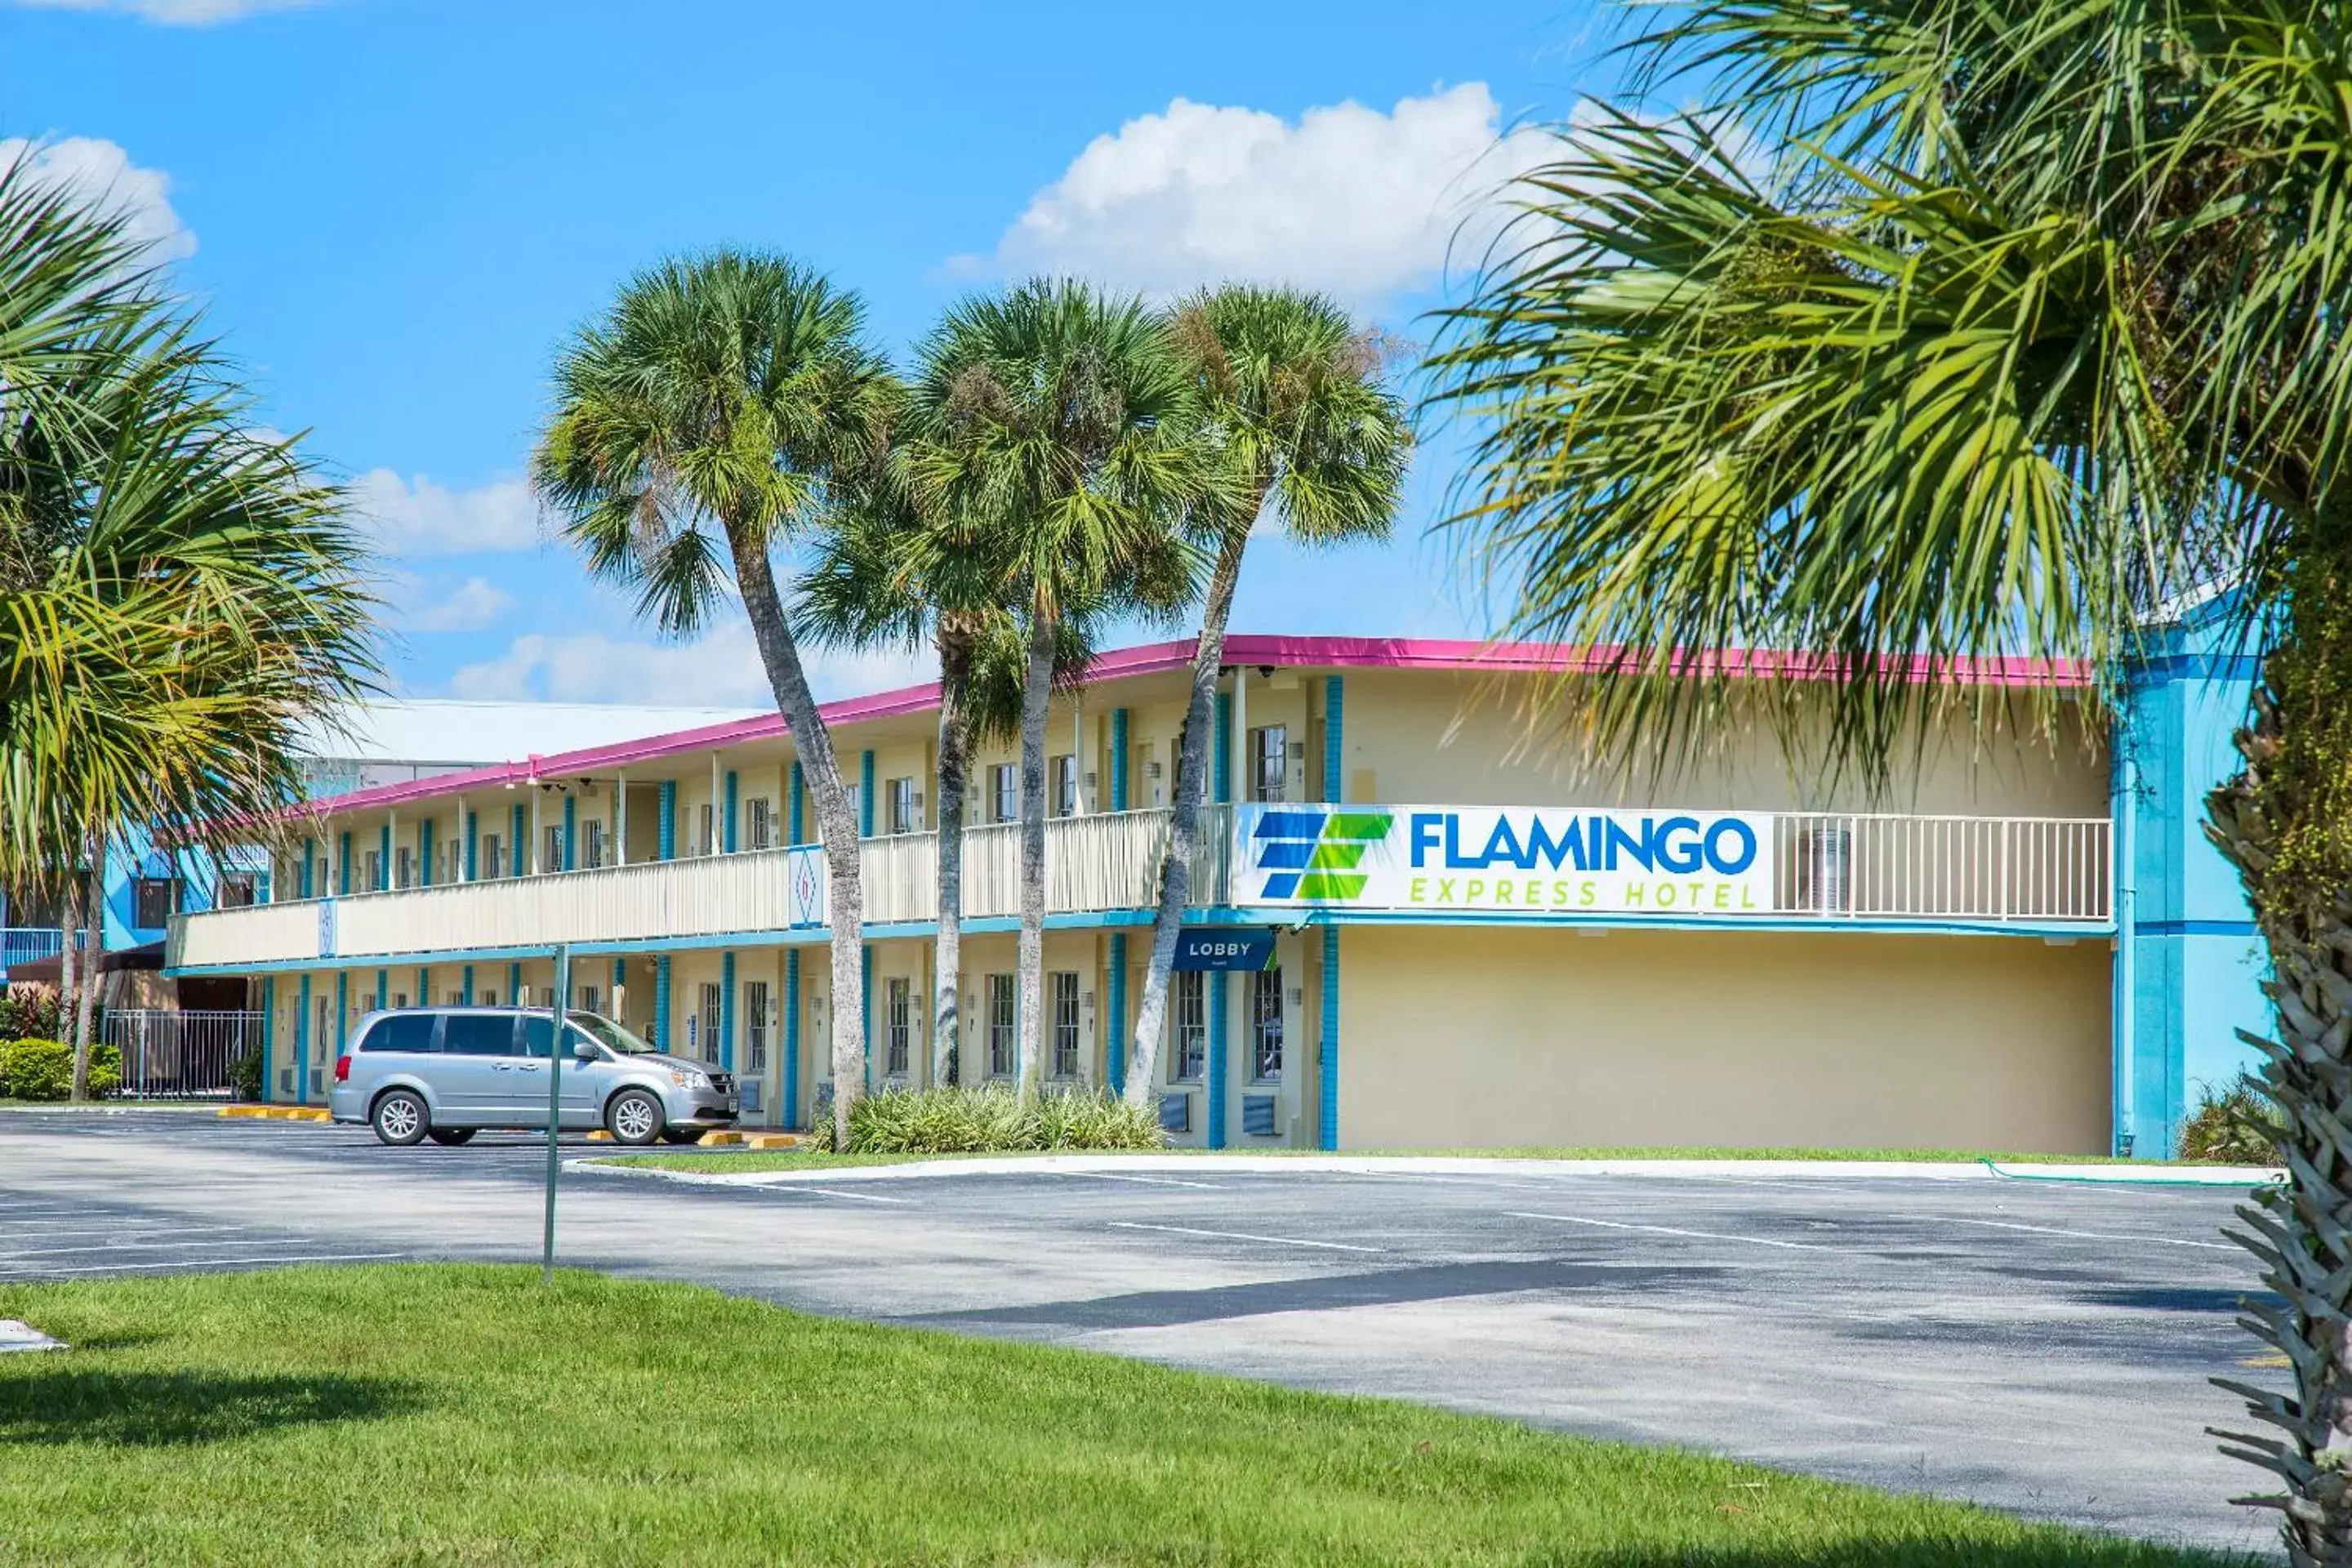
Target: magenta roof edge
[1151,658]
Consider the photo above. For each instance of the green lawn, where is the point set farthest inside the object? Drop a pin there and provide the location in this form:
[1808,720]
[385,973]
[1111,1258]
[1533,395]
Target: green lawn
[466,1415]
[739,1160]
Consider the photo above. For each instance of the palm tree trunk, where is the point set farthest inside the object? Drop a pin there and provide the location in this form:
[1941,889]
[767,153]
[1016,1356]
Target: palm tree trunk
[1184,818]
[86,1007]
[955,669]
[2280,823]
[1037,687]
[837,825]
[68,961]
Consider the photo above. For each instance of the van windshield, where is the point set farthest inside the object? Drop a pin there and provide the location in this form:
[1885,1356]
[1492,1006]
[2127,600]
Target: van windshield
[611,1036]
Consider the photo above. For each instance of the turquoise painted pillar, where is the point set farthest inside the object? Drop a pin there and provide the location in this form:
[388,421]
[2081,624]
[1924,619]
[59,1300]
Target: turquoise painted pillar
[1223,767]
[465,981]
[571,834]
[1115,1039]
[665,834]
[309,853]
[1327,1067]
[302,1044]
[343,863]
[727,1008]
[792,1020]
[661,1001]
[798,821]
[473,846]
[425,853]
[518,851]
[727,828]
[865,992]
[1335,754]
[382,989]
[866,796]
[384,857]
[423,986]
[1219,991]
[268,1036]
[342,1012]
[620,977]
[1118,722]
[514,985]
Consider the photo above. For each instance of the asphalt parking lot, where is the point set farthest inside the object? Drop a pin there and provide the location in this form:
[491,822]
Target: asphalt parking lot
[2040,1347]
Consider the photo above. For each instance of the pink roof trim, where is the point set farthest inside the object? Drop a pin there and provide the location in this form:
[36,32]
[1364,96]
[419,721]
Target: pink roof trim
[1155,659]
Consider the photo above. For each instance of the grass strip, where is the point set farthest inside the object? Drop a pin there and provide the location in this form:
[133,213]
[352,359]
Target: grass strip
[417,1412]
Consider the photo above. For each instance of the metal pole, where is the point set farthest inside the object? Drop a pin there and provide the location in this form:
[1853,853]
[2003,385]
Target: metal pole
[557,1051]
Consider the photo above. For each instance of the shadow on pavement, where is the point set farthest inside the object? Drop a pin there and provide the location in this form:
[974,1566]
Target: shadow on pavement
[140,1409]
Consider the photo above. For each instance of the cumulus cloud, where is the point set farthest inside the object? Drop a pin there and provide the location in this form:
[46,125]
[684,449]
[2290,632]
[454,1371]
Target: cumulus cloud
[1348,199]
[415,517]
[103,174]
[474,605]
[175,13]
[721,669]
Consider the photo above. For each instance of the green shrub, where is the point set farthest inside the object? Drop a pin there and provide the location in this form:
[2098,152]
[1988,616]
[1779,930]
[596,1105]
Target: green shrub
[43,1070]
[991,1120]
[2238,1125]
[245,1076]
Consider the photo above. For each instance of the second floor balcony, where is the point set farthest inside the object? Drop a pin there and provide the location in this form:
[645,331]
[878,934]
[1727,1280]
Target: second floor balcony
[2052,875]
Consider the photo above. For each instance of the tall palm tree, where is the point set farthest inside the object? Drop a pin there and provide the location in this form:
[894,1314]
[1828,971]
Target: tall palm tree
[178,596]
[1049,432]
[1293,413]
[1950,329]
[727,392]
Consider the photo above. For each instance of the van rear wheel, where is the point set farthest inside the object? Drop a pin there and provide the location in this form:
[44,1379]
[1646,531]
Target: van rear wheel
[400,1119]
[634,1117]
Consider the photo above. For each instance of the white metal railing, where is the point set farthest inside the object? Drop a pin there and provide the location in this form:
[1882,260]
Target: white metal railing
[1830,866]
[169,1054]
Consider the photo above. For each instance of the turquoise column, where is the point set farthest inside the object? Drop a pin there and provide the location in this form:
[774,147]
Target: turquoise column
[1326,1065]
[661,1001]
[518,851]
[268,1036]
[1219,991]
[620,977]
[1115,1042]
[571,834]
[466,979]
[473,846]
[384,857]
[302,1044]
[342,1013]
[1224,764]
[309,853]
[866,796]
[343,863]
[514,985]
[865,990]
[425,853]
[799,821]
[1119,721]
[382,989]
[727,828]
[792,1019]
[666,836]
[423,986]
[727,1010]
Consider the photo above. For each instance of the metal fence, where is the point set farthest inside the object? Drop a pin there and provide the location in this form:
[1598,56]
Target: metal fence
[172,1055]
[31,945]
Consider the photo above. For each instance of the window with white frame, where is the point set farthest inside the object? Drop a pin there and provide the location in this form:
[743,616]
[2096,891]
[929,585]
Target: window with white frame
[1064,794]
[457,998]
[399,998]
[1190,1020]
[1004,792]
[375,870]
[707,831]
[709,1014]
[755,1026]
[550,849]
[587,998]
[761,822]
[489,997]
[904,813]
[1063,984]
[897,1024]
[592,848]
[1269,752]
[153,901]
[1265,1026]
[237,890]
[1004,1051]
[404,867]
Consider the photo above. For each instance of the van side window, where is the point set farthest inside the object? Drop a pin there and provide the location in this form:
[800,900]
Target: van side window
[401,1032]
[538,1029]
[479,1034]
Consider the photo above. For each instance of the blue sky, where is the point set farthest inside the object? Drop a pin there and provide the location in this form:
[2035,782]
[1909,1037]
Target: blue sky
[395,210]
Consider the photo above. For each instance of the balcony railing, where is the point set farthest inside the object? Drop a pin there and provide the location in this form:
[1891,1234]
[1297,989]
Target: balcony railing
[31,945]
[2044,872]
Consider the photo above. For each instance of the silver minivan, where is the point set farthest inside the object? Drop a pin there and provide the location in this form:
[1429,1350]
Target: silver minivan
[445,1073]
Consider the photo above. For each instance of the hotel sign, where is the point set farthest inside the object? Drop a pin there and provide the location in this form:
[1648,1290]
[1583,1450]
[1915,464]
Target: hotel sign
[1515,859]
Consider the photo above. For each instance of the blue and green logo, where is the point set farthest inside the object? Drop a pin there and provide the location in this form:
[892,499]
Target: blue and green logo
[1315,854]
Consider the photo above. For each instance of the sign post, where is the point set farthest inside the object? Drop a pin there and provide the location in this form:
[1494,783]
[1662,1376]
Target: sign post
[556,1051]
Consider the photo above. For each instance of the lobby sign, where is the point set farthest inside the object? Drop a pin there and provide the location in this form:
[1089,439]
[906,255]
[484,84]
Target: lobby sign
[1212,948]
[1486,858]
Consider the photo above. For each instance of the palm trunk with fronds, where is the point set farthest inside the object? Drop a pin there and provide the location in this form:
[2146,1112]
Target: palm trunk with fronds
[1184,817]
[1037,691]
[2281,822]
[86,1006]
[68,959]
[954,642]
[836,824]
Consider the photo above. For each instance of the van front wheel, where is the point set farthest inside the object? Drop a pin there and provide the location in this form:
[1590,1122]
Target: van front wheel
[634,1117]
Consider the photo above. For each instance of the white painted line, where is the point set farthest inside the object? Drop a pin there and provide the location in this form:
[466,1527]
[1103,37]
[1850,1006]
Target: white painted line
[1146,1181]
[861,1198]
[2089,1235]
[1246,1236]
[1670,1230]
[125,1247]
[215,1263]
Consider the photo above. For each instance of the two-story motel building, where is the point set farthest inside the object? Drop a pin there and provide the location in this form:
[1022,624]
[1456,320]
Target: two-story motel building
[1446,937]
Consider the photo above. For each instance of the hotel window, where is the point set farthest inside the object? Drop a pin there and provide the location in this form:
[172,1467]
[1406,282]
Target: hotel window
[1003,1058]
[237,890]
[1265,1026]
[1004,792]
[1064,772]
[1269,751]
[494,856]
[587,998]
[1065,983]
[399,998]
[375,870]
[1190,1057]
[457,998]
[593,849]
[709,1015]
[903,806]
[706,841]
[450,866]
[761,826]
[153,900]
[551,852]
[755,1026]
[898,1025]
[404,867]
[490,997]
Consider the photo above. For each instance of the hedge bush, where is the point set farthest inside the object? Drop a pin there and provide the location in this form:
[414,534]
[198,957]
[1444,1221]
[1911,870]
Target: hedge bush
[245,1076]
[2238,1125]
[28,1013]
[43,1070]
[991,1120]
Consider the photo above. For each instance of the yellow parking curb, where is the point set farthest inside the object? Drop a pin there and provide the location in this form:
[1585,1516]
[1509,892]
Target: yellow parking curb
[302,1113]
[249,1111]
[719,1140]
[773,1140]
[600,1136]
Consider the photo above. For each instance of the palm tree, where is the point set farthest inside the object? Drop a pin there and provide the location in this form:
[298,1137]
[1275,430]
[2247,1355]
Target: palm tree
[727,391]
[1950,328]
[1295,414]
[1048,433]
[178,596]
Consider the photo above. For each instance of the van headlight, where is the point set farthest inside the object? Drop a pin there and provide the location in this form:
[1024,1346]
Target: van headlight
[686,1078]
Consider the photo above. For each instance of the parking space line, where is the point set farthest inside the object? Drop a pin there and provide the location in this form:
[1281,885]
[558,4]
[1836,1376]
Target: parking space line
[1670,1230]
[838,1193]
[121,1247]
[1245,1236]
[212,1263]
[1146,1181]
[2086,1234]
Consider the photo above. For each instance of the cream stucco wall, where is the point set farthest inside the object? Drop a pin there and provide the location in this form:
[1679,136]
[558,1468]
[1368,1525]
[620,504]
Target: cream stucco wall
[1502,1037]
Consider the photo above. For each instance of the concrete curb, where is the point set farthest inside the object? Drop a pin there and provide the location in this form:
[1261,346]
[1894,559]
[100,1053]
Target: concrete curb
[1438,1165]
[275,1113]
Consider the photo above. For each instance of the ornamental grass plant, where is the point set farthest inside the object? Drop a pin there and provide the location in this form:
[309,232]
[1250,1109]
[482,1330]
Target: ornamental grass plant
[992,1120]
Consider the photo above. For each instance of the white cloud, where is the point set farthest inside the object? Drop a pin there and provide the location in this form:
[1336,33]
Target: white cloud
[176,13]
[1348,199]
[102,172]
[721,669]
[473,606]
[417,517]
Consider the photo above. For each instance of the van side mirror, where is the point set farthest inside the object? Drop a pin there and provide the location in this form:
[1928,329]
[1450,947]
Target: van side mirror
[583,1051]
